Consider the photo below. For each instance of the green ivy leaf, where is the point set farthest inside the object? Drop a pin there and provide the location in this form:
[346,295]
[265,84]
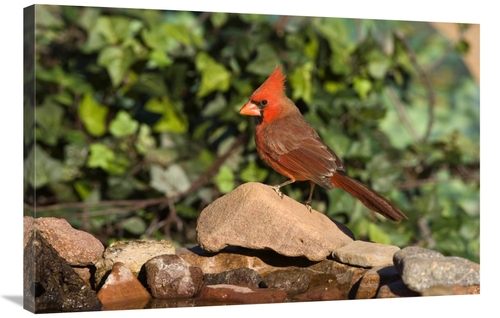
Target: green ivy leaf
[134,225]
[252,173]
[151,84]
[40,168]
[382,173]
[29,118]
[159,58]
[378,68]
[120,187]
[179,32]
[63,192]
[170,181]
[214,76]
[75,154]
[64,97]
[108,30]
[145,141]
[49,16]
[340,201]
[104,27]
[377,234]
[189,31]
[82,189]
[312,47]
[362,86]
[49,121]
[301,81]
[158,39]
[172,120]
[225,179]
[93,115]
[87,17]
[161,156]
[100,156]
[266,60]
[428,204]
[218,19]
[187,211]
[75,136]
[116,60]
[215,106]
[123,125]
[101,34]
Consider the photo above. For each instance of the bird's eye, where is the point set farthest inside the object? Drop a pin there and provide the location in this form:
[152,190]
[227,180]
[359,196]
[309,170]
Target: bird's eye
[263,102]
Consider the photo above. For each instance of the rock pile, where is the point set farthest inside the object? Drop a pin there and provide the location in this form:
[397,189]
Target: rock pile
[56,272]
[254,247]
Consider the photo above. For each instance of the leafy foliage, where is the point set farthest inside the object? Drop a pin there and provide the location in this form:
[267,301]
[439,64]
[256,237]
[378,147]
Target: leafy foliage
[137,129]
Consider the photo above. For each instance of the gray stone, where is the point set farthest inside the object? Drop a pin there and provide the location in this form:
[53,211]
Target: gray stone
[169,276]
[292,281]
[366,254]
[134,254]
[255,217]
[421,268]
[239,277]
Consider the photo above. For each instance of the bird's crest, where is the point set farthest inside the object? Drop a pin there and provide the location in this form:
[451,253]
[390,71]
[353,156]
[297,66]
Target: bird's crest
[275,83]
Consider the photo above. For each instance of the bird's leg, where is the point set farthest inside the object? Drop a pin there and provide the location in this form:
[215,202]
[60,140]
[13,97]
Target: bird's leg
[308,202]
[276,188]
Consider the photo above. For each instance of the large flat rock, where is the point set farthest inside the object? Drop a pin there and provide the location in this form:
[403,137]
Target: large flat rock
[254,216]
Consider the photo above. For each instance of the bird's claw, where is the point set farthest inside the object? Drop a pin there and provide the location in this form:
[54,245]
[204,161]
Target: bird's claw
[308,206]
[277,190]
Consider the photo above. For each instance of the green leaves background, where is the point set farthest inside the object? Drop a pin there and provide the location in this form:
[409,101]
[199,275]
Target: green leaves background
[137,126]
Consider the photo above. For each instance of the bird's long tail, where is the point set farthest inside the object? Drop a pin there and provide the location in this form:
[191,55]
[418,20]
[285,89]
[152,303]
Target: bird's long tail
[371,199]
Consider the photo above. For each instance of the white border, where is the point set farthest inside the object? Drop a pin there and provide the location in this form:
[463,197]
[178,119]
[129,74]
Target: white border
[483,12]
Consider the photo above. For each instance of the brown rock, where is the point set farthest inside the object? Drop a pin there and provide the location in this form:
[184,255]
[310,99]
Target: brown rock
[366,254]
[255,217]
[169,276]
[232,258]
[50,284]
[326,272]
[342,274]
[240,294]
[122,290]
[373,279]
[133,254]
[292,281]
[451,290]
[330,286]
[318,293]
[214,263]
[77,247]
[395,290]
[172,303]
[28,229]
[84,273]
[240,277]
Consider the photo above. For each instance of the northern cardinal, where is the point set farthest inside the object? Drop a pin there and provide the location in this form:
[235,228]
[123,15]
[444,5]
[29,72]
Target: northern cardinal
[286,142]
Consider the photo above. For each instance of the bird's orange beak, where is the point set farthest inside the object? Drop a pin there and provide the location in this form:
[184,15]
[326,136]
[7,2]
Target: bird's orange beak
[250,109]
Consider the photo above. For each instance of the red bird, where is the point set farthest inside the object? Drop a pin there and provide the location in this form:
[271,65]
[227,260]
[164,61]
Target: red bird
[286,142]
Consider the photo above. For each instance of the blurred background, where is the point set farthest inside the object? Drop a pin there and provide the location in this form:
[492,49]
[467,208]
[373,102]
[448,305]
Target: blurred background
[134,125]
